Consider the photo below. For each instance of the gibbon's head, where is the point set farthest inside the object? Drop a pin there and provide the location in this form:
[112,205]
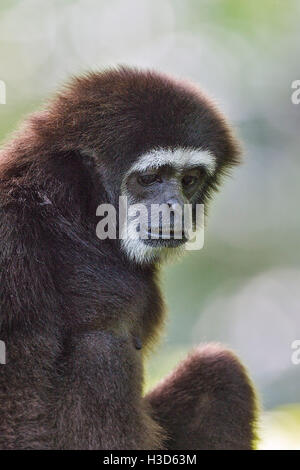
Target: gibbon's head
[154,140]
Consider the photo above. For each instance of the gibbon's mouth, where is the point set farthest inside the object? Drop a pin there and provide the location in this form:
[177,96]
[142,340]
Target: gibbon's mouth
[164,240]
[165,233]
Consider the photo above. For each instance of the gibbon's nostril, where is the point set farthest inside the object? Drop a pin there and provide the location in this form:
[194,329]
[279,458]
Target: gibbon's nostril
[173,203]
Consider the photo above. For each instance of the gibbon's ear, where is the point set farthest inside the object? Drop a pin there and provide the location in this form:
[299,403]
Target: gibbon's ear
[208,402]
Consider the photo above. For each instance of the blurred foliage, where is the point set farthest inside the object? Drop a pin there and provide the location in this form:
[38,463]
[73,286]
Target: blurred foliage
[280,429]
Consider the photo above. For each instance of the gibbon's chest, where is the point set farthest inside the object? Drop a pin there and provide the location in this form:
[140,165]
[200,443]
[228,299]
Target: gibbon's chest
[140,308]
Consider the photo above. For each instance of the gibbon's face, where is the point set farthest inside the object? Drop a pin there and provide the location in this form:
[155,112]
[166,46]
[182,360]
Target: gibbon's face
[163,188]
[154,140]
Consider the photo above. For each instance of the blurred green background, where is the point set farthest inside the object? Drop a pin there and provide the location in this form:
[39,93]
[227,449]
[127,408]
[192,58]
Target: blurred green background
[243,287]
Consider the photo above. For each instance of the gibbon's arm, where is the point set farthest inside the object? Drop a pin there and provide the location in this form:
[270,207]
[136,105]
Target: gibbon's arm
[207,403]
[65,384]
[101,404]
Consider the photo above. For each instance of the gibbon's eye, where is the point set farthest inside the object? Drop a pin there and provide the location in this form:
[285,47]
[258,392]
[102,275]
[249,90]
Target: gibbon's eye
[147,180]
[189,180]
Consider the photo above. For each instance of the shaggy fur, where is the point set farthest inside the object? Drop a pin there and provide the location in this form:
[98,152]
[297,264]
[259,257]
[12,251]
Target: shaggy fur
[74,310]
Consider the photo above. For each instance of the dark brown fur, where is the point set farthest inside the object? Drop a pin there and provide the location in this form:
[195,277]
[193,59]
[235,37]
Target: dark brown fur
[72,306]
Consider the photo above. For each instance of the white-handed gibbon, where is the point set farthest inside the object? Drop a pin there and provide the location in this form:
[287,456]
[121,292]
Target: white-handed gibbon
[78,313]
